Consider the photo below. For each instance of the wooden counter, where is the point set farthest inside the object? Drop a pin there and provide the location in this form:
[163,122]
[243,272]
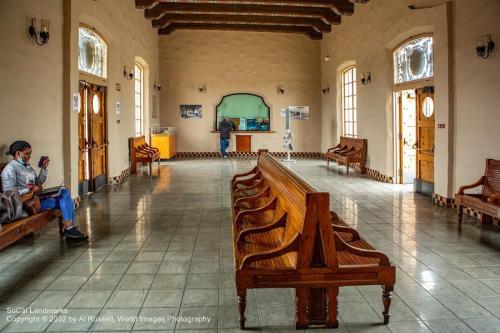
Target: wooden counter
[166,143]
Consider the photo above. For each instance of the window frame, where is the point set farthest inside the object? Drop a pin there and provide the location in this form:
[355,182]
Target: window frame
[90,75]
[138,107]
[349,87]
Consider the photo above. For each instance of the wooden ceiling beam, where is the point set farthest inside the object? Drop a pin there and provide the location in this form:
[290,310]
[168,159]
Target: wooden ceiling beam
[309,31]
[326,14]
[344,7]
[316,23]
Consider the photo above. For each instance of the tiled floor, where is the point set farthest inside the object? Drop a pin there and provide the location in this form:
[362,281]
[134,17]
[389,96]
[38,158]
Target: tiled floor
[161,250]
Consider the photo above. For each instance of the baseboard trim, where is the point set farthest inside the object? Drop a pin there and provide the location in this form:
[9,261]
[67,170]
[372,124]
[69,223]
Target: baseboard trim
[378,176]
[120,178]
[443,201]
[198,155]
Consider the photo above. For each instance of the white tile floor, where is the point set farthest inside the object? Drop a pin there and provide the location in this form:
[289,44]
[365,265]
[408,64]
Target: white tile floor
[160,249]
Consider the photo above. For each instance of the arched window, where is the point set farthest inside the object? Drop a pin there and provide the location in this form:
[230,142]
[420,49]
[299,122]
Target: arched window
[414,60]
[349,107]
[92,53]
[139,99]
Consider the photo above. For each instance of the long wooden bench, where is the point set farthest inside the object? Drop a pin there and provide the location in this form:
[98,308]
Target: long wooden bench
[488,201]
[348,151]
[19,229]
[141,152]
[283,237]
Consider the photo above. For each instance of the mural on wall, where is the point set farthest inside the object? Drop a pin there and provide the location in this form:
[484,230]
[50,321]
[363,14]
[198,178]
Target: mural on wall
[297,112]
[191,111]
[248,112]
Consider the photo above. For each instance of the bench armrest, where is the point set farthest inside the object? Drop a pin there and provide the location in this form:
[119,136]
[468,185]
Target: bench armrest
[333,148]
[466,187]
[239,175]
[264,193]
[246,181]
[291,246]
[494,198]
[281,222]
[269,206]
[256,184]
[343,228]
[342,245]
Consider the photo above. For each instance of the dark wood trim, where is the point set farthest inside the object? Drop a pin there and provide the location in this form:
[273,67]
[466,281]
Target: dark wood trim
[318,24]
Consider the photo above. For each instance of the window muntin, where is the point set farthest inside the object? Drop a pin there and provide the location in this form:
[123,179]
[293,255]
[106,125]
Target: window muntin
[92,53]
[139,99]
[349,107]
[414,60]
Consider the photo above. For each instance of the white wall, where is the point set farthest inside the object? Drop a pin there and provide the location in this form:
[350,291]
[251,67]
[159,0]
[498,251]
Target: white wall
[231,62]
[466,95]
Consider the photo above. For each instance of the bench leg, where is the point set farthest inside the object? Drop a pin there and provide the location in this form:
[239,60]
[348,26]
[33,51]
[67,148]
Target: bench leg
[242,303]
[303,308]
[332,321]
[60,222]
[347,165]
[460,213]
[327,162]
[386,297]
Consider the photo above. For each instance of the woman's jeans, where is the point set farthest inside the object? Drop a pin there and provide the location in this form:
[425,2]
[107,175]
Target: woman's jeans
[63,201]
[224,144]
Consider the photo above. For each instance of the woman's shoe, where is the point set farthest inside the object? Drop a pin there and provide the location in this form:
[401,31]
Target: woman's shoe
[74,233]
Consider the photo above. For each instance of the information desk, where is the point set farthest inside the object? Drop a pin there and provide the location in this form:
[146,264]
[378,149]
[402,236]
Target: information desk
[166,143]
[243,143]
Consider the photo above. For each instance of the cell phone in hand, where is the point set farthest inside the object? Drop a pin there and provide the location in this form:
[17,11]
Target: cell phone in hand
[42,161]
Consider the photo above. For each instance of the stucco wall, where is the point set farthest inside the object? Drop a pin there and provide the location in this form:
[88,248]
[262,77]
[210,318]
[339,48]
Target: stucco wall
[31,89]
[231,62]
[38,82]
[477,83]
[465,86]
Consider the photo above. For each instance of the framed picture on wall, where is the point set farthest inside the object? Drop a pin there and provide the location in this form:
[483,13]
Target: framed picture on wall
[191,111]
[297,112]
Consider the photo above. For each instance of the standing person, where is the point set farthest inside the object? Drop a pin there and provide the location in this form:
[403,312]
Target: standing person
[225,128]
[19,175]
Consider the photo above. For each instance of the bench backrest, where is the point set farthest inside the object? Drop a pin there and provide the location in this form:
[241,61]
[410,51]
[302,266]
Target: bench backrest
[136,142]
[307,212]
[492,175]
[357,144]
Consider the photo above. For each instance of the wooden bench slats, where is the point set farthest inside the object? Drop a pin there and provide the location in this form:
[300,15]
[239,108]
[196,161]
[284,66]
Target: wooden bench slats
[488,201]
[141,152]
[283,236]
[349,150]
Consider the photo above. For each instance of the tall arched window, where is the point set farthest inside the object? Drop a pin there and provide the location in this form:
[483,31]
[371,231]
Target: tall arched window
[349,107]
[139,99]
[92,53]
[414,60]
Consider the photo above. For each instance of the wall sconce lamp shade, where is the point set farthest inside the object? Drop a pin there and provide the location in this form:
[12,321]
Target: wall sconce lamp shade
[326,90]
[128,73]
[366,78]
[485,46]
[41,36]
[281,89]
[202,88]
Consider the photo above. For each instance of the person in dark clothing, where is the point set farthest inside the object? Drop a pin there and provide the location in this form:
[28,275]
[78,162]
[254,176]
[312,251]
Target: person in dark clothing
[225,128]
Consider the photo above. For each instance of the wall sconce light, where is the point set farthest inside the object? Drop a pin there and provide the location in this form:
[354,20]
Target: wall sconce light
[366,78]
[128,73]
[41,36]
[157,86]
[281,89]
[202,88]
[485,46]
[327,58]
[326,89]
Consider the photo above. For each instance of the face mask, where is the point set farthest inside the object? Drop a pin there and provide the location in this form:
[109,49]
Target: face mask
[21,160]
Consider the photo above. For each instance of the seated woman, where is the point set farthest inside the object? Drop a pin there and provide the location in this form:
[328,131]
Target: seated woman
[18,174]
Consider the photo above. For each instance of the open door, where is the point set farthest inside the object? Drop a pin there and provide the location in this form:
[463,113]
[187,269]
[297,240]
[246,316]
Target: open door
[424,182]
[99,149]
[92,138]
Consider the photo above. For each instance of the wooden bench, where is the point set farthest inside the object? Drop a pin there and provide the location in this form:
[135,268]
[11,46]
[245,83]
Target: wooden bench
[488,201]
[19,229]
[141,152]
[348,151]
[283,237]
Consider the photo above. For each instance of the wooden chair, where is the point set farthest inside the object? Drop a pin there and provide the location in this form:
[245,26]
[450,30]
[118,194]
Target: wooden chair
[283,237]
[488,201]
[348,151]
[19,229]
[141,152]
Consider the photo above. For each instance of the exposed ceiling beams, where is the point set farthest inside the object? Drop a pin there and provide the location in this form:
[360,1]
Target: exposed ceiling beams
[310,17]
